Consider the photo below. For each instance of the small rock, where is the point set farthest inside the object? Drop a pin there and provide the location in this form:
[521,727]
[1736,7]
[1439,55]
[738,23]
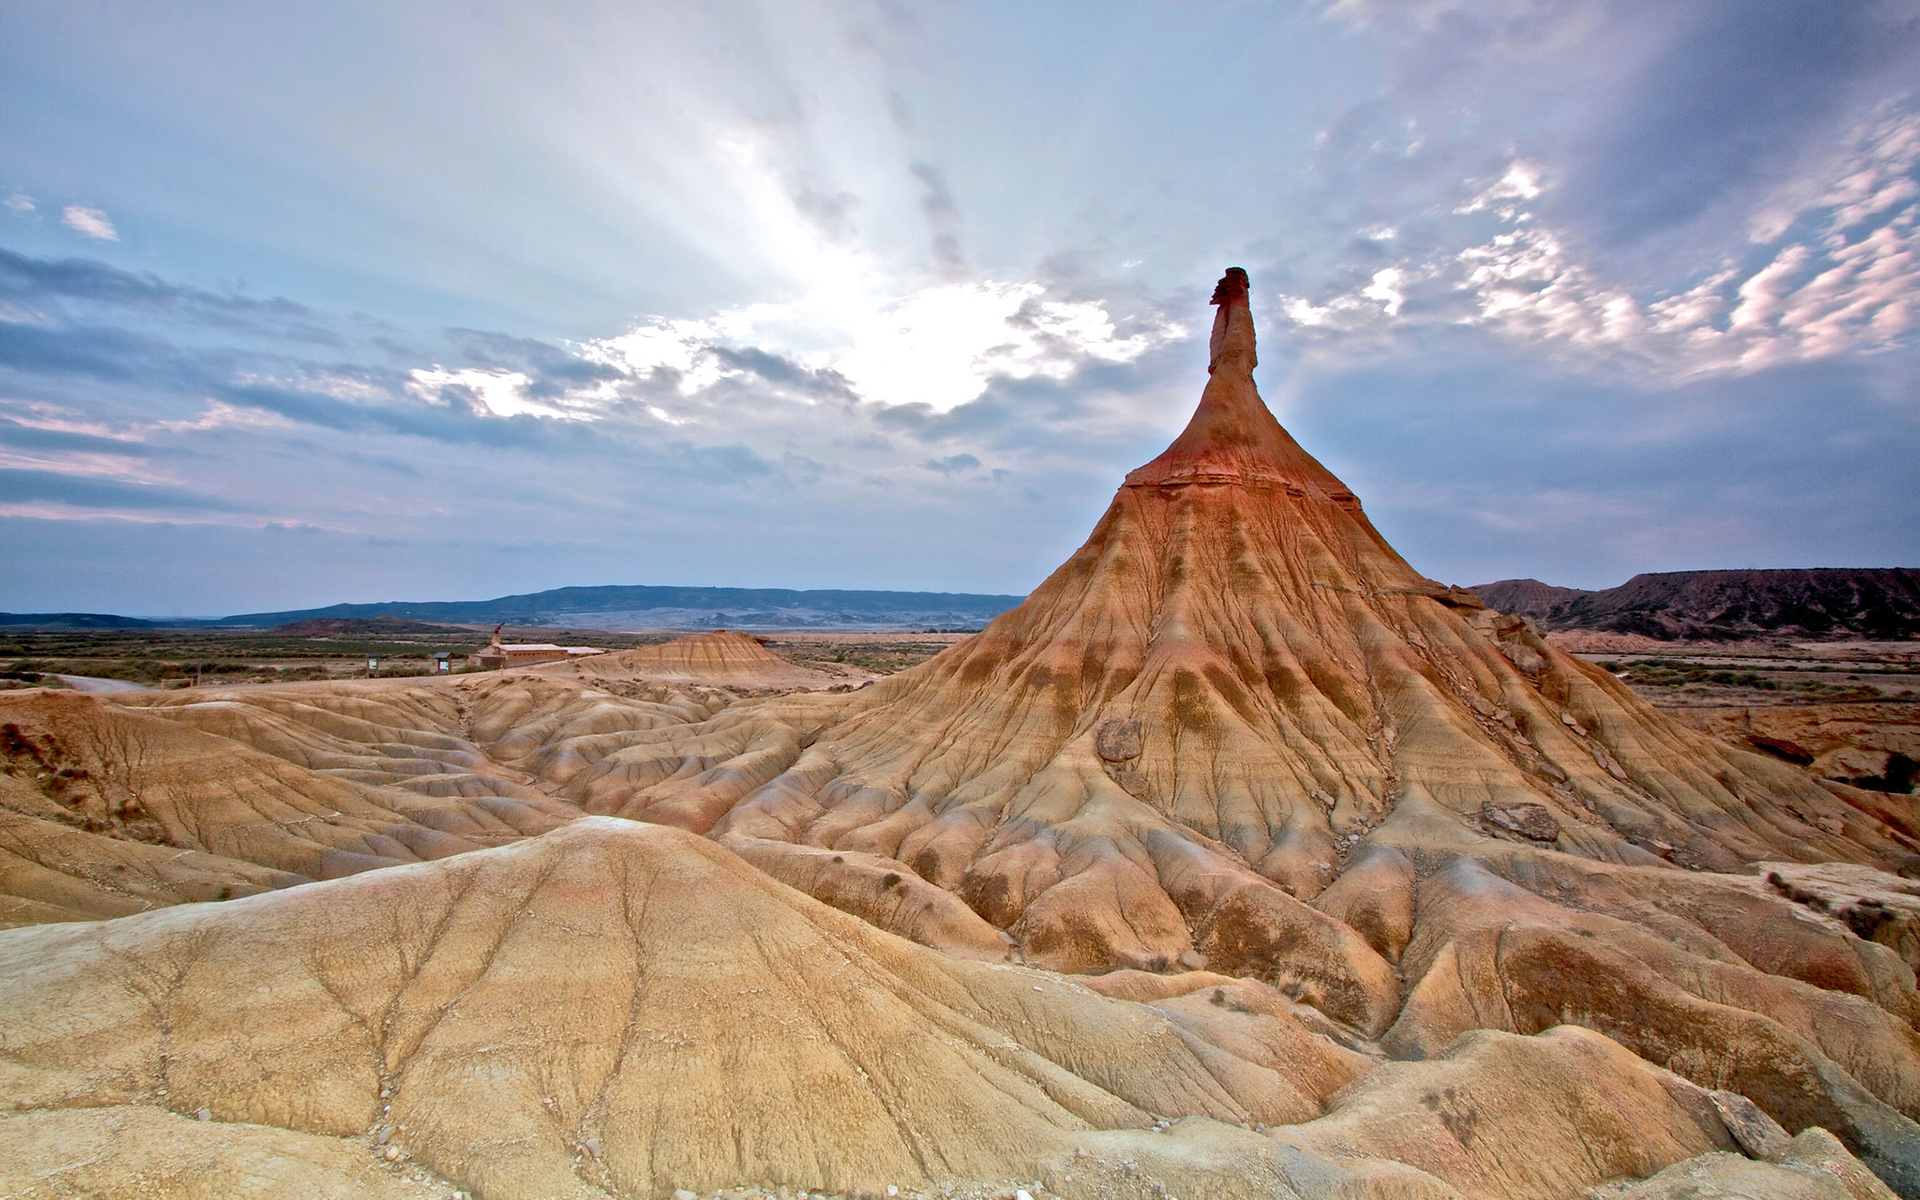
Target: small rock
[591,1146]
[1756,1133]
[1534,822]
[1117,740]
[684,1194]
[203,1114]
[1525,657]
[892,1190]
[1022,1194]
[1781,748]
[392,1154]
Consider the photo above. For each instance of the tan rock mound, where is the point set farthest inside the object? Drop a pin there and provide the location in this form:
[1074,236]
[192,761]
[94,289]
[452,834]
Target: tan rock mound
[1814,1167]
[723,658]
[622,1009]
[1869,745]
[1520,1117]
[143,1150]
[111,805]
[620,1004]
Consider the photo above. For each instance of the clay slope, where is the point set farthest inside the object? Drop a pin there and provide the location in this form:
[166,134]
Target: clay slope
[111,808]
[618,1009]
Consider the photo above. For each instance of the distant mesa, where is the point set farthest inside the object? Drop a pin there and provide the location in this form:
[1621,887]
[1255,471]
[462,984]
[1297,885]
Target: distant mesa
[1879,604]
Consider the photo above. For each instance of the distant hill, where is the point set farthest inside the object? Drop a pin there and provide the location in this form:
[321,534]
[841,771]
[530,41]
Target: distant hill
[367,627]
[73,621]
[676,608]
[1877,603]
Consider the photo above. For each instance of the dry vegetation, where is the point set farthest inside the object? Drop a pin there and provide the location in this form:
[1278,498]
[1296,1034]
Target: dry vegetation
[170,658]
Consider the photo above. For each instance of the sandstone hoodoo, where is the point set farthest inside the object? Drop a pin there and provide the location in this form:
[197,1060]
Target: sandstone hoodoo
[1243,859]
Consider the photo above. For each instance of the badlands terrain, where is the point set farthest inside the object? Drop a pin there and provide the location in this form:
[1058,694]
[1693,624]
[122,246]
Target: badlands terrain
[1241,860]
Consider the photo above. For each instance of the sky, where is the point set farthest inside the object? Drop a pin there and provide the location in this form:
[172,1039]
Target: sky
[303,304]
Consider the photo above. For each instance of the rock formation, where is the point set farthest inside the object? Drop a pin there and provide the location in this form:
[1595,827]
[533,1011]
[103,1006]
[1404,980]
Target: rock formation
[1241,860]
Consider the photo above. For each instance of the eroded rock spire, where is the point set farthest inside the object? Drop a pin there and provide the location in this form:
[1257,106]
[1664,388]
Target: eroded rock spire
[1232,324]
[1232,437]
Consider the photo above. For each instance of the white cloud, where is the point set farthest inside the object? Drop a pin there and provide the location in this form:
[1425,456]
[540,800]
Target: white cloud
[502,393]
[19,202]
[219,415]
[1520,182]
[89,223]
[1386,289]
[940,345]
[1837,271]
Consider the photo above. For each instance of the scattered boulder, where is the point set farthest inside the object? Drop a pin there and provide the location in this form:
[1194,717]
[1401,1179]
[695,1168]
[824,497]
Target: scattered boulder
[1782,748]
[1759,1135]
[1534,822]
[1117,740]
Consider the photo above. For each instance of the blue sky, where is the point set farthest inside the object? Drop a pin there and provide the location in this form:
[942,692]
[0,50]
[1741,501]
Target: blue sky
[350,302]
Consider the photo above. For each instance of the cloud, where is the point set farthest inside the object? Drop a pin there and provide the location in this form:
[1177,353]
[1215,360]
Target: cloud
[18,202]
[44,290]
[40,438]
[1831,271]
[831,210]
[953,464]
[24,489]
[89,223]
[1726,105]
[943,219]
[821,382]
[939,345]
[97,352]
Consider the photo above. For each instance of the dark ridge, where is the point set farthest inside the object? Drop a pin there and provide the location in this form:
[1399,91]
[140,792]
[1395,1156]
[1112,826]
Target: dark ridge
[1879,603]
[73,621]
[365,627]
[673,608]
